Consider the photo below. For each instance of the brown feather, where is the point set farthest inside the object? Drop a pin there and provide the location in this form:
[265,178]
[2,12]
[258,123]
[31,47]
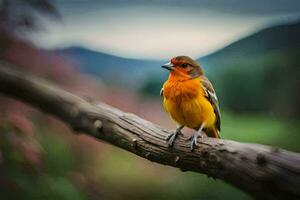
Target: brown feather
[212,97]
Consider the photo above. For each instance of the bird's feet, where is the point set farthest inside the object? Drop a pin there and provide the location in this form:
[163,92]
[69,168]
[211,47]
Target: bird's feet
[172,136]
[194,139]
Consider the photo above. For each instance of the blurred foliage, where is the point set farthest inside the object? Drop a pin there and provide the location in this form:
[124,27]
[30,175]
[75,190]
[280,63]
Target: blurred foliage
[35,167]
[267,84]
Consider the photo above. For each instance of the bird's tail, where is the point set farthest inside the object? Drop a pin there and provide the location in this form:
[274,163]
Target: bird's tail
[212,132]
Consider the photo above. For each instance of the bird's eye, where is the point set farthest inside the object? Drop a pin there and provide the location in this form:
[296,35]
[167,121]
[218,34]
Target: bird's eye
[184,65]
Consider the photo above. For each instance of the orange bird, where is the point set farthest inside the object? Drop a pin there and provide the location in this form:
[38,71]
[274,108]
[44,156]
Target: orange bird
[190,99]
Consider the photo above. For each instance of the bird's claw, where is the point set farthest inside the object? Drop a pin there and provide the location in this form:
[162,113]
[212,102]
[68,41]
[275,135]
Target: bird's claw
[194,142]
[172,136]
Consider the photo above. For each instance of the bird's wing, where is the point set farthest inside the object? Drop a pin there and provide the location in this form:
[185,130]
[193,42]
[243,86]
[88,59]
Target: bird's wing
[212,97]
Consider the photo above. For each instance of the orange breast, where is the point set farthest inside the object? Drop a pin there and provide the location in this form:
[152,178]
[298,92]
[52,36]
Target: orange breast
[186,103]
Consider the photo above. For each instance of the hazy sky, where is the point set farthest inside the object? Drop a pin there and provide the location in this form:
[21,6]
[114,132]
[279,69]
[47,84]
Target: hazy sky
[161,29]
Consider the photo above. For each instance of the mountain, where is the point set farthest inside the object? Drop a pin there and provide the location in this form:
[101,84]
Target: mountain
[278,38]
[127,72]
[260,72]
[112,69]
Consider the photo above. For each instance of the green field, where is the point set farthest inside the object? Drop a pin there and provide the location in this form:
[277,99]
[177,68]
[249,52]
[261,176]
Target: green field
[261,129]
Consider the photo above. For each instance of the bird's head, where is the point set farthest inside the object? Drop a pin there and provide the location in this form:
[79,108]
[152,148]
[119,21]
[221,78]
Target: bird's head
[183,67]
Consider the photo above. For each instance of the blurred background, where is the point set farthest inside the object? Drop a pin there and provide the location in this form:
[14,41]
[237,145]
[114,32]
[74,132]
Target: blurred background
[111,51]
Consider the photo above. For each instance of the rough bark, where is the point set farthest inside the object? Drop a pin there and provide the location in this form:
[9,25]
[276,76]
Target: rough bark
[262,171]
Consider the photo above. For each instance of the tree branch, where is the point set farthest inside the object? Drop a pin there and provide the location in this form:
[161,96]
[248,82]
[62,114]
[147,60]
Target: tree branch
[262,171]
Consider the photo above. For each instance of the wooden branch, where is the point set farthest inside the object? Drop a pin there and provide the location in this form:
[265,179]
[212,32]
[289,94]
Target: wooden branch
[262,171]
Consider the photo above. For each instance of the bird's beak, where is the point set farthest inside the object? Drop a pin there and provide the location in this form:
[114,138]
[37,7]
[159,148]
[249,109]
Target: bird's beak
[169,66]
